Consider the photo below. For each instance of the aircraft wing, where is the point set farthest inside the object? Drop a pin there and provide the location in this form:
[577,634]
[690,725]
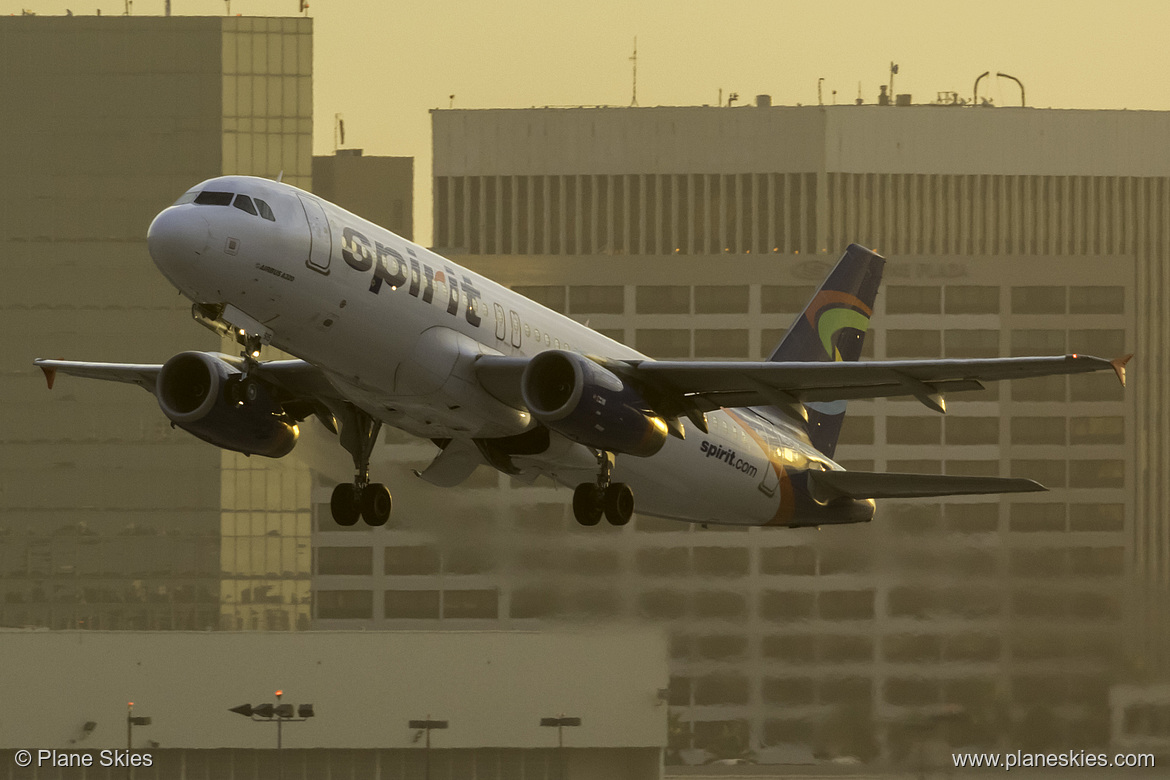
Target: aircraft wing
[710,385]
[676,387]
[303,388]
[142,374]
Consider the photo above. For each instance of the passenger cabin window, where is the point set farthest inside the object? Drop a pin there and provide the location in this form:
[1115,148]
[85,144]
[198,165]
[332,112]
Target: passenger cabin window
[209,198]
[265,212]
[244,203]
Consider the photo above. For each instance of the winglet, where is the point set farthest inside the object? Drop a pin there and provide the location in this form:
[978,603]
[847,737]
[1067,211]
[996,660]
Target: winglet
[50,375]
[1119,367]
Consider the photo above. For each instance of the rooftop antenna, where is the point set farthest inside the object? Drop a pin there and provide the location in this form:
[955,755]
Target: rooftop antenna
[820,99]
[129,6]
[634,59]
[1021,84]
[860,99]
[451,104]
[893,72]
[168,12]
[228,3]
[338,132]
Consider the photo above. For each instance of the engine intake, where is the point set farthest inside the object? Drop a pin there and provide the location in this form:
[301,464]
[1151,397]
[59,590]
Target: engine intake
[590,404]
[204,396]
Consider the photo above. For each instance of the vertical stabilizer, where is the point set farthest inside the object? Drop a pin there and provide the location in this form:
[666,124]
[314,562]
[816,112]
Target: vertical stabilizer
[831,328]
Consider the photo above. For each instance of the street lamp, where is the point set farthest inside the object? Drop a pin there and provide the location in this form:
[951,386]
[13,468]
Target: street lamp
[275,713]
[131,722]
[560,723]
[427,725]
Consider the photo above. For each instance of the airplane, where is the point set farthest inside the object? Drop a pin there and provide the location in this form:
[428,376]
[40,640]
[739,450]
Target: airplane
[386,332]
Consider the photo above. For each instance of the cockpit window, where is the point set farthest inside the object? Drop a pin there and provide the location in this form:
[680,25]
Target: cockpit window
[244,203]
[265,211]
[209,198]
[187,197]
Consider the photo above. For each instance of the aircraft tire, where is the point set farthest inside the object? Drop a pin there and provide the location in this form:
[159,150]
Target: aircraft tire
[376,504]
[344,504]
[587,504]
[619,503]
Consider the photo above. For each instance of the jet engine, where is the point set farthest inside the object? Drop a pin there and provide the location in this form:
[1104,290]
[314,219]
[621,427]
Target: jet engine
[591,405]
[208,397]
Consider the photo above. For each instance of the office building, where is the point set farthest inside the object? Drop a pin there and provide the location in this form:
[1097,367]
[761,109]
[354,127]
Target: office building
[109,519]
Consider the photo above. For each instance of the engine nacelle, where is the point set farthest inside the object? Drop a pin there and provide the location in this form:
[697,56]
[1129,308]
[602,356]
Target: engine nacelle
[590,404]
[204,396]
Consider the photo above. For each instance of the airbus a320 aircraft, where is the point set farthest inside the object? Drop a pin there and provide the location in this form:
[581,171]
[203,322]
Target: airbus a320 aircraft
[391,333]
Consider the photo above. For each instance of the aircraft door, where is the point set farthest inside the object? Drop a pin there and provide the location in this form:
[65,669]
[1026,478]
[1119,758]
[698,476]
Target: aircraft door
[514,318]
[501,324]
[320,237]
[771,482]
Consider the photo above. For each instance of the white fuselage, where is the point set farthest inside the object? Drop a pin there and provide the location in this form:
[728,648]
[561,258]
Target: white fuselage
[382,318]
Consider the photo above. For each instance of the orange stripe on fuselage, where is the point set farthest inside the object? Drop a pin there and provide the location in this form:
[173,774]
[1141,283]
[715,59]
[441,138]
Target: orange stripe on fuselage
[787,508]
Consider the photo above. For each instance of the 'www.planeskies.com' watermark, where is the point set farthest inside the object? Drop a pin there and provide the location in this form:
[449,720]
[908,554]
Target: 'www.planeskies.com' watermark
[1066,760]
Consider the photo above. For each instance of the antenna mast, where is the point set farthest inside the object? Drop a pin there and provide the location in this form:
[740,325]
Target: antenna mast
[634,60]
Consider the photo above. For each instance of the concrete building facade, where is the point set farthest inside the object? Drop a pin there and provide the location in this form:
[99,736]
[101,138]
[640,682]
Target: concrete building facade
[110,519]
[700,232]
[376,188]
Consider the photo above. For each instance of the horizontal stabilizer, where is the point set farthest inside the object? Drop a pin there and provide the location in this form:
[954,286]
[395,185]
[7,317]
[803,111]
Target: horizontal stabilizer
[827,485]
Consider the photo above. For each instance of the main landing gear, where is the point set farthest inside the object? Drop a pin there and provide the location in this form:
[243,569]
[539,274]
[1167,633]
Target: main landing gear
[613,499]
[369,500]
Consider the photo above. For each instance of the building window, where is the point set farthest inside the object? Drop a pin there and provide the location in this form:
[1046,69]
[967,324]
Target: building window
[1096,517]
[847,605]
[1097,430]
[1100,343]
[1038,342]
[1038,430]
[551,296]
[856,430]
[1096,473]
[792,648]
[972,300]
[780,299]
[411,560]
[345,560]
[663,299]
[711,343]
[1049,473]
[411,604]
[972,430]
[913,430]
[721,299]
[785,606]
[664,561]
[708,604]
[345,604]
[913,344]
[532,603]
[971,343]
[972,518]
[1096,300]
[788,560]
[1034,517]
[1038,300]
[913,300]
[470,604]
[662,604]
[792,691]
[597,299]
[663,342]
[1044,388]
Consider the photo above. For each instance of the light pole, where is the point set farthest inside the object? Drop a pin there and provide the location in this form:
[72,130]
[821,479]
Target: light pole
[131,722]
[279,714]
[427,725]
[560,723]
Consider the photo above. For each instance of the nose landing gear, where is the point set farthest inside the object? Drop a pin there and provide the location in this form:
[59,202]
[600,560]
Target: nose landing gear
[613,499]
[370,501]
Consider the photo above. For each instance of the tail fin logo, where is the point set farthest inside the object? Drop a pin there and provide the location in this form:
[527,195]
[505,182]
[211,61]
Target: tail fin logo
[833,311]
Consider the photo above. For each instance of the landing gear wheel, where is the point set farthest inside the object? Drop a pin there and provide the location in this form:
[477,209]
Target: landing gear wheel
[376,504]
[619,503]
[345,504]
[587,504]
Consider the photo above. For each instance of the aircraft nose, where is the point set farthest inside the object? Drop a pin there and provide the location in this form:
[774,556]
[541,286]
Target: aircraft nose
[178,235]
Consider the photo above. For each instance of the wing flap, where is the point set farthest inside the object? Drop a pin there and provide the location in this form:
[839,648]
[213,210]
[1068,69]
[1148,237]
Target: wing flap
[872,484]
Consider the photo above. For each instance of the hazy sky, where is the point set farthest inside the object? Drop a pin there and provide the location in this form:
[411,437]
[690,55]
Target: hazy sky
[382,65]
